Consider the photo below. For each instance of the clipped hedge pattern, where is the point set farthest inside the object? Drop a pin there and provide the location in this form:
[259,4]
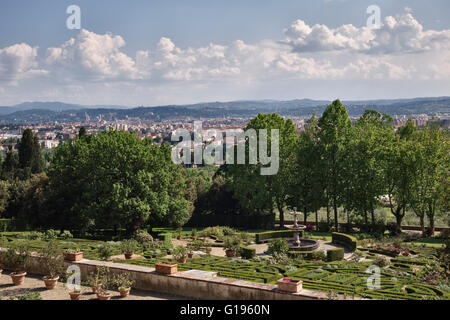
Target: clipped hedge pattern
[247,253]
[344,239]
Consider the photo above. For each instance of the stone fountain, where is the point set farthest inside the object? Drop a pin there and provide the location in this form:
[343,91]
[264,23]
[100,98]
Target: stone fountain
[298,244]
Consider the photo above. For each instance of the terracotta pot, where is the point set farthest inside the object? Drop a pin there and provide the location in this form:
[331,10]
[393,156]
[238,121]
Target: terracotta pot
[179,237]
[72,256]
[124,293]
[74,295]
[128,255]
[230,253]
[18,278]
[290,285]
[166,268]
[190,255]
[104,295]
[50,283]
[182,260]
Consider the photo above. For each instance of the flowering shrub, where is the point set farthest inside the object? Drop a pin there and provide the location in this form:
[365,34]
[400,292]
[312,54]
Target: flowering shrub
[309,227]
[404,252]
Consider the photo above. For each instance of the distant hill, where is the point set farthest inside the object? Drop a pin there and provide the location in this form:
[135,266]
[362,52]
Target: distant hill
[42,112]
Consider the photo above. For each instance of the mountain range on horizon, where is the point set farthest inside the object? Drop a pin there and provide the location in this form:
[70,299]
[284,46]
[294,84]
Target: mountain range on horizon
[42,112]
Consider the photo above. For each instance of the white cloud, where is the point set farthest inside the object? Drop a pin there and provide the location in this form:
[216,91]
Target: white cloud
[400,34]
[18,61]
[92,55]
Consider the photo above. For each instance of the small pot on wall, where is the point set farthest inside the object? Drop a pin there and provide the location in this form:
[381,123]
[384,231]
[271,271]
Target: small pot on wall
[124,292]
[18,278]
[50,283]
[73,256]
[128,256]
[190,255]
[230,253]
[75,295]
[103,295]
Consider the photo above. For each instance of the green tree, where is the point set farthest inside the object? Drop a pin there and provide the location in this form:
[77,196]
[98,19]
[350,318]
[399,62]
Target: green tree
[114,179]
[257,193]
[334,127]
[306,184]
[11,164]
[30,152]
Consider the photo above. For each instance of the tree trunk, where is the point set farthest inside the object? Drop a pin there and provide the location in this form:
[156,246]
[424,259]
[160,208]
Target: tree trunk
[431,219]
[372,213]
[336,218]
[317,220]
[422,224]
[280,210]
[306,215]
[398,217]
[328,213]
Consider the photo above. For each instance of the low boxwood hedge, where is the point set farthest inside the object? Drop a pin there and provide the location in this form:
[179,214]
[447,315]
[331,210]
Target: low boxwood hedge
[264,236]
[344,239]
[335,254]
[247,253]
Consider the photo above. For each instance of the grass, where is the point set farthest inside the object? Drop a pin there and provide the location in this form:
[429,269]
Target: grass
[431,242]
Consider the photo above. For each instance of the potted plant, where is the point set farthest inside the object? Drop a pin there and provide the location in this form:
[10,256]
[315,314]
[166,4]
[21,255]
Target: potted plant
[231,245]
[75,294]
[106,250]
[194,234]
[129,247]
[17,258]
[105,282]
[52,261]
[123,283]
[289,285]
[179,233]
[180,254]
[73,253]
[95,279]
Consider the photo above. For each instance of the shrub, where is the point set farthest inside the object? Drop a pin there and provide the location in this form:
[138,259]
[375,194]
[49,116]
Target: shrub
[278,246]
[105,251]
[231,243]
[381,261]
[167,239]
[345,240]
[307,255]
[122,281]
[129,246]
[35,235]
[143,237]
[66,235]
[215,232]
[247,253]
[17,257]
[50,234]
[52,260]
[335,254]
[325,226]
[180,252]
[445,233]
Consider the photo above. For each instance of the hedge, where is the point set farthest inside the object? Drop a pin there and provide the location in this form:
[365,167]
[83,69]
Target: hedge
[335,254]
[345,240]
[247,253]
[5,225]
[308,255]
[262,236]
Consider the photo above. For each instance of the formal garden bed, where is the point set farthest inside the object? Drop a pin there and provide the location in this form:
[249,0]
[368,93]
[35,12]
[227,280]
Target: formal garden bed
[408,270]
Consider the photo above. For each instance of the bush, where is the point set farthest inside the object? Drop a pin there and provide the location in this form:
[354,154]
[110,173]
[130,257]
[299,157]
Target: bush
[345,240]
[129,246]
[227,231]
[247,253]
[445,233]
[17,257]
[231,243]
[66,235]
[143,237]
[278,246]
[35,235]
[52,260]
[335,254]
[122,281]
[381,261]
[180,252]
[105,251]
[215,232]
[50,234]
[325,226]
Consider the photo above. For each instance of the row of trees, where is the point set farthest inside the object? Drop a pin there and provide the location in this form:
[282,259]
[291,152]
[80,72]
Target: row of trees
[357,167]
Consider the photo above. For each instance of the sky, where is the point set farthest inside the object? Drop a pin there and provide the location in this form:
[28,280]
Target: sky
[141,52]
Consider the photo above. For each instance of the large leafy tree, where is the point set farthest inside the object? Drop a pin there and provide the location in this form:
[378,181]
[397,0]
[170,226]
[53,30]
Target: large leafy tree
[431,163]
[114,179]
[258,193]
[334,127]
[306,183]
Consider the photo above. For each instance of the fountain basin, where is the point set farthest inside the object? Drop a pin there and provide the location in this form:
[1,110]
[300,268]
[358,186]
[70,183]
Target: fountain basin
[305,245]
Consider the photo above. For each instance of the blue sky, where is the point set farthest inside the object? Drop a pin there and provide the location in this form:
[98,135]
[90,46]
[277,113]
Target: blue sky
[159,52]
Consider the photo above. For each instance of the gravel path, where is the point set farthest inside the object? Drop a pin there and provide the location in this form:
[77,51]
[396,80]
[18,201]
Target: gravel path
[35,284]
